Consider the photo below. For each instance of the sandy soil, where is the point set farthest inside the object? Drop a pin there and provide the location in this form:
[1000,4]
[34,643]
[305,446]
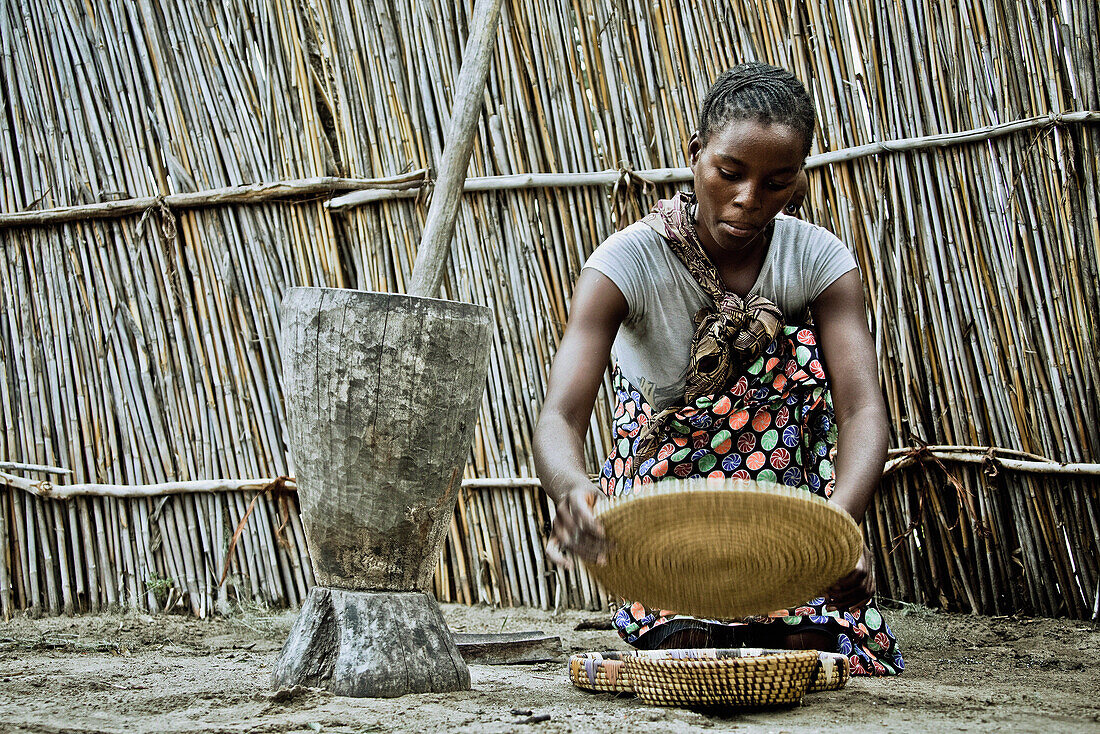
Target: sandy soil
[174,674]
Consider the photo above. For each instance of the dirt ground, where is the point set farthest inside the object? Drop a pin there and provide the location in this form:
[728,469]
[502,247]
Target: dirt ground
[137,673]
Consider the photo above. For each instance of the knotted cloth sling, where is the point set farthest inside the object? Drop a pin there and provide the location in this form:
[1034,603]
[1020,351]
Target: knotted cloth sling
[728,335]
[723,548]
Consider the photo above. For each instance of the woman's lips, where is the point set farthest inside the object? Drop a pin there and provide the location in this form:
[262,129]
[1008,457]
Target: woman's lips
[737,229]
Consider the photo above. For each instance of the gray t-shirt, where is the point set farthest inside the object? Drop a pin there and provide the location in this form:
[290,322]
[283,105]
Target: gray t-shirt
[653,346]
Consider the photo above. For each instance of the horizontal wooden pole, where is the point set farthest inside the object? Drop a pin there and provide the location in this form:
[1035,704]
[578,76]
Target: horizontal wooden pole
[304,188]
[900,459]
[131,491]
[994,457]
[1019,465]
[508,483]
[971,449]
[946,140]
[40,468]
[681,175]
[524,181]
[408,185]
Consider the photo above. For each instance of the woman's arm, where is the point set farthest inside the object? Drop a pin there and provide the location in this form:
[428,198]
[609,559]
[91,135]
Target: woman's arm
[849,352]
[598,308]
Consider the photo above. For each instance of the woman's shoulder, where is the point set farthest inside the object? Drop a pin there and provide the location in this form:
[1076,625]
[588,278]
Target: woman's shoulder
[810,245]
[633,248]
[800,233]
[807,260]
[635,236]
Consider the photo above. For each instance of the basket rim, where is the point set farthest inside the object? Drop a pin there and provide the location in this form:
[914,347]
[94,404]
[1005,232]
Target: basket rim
[745,660]
[727,652]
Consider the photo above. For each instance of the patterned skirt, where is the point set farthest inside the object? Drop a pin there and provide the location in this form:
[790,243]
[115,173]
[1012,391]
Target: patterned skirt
[775,423]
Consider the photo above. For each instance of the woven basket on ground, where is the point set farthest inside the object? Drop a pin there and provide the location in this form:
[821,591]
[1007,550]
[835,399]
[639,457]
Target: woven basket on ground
[605,672]
[724,549]
[774,679]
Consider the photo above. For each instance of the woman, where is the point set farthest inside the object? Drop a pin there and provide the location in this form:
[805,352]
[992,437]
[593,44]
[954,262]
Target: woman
[705,304]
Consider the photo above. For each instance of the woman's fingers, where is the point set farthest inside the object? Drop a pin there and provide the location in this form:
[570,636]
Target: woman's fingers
[588,545]
[564,524]
[554,553]
[592,536]
[577,530]
[591,549]
[586,519]
[589,541]
[854,590]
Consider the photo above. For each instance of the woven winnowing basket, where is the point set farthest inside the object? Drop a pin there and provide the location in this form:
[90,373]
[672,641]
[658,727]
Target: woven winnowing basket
[724,549]
[749,681]
[605,672]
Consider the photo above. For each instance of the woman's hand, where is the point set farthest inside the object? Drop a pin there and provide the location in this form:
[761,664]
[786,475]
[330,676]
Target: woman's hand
[854,590]
[576,529]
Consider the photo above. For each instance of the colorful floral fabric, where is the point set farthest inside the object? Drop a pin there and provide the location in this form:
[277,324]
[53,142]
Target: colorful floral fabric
[774,423]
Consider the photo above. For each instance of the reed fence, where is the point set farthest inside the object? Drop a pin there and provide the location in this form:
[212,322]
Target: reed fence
[166,172]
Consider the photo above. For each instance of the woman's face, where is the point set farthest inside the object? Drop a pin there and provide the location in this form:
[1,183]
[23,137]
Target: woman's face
[744,176]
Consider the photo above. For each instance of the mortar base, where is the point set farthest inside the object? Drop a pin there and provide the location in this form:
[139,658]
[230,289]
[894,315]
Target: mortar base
[371,644]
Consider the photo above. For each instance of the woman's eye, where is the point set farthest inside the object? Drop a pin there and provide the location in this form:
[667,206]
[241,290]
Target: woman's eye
[728,175]
[779,185]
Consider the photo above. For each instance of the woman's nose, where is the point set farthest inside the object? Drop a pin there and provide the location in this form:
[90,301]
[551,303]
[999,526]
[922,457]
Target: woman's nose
[747,195]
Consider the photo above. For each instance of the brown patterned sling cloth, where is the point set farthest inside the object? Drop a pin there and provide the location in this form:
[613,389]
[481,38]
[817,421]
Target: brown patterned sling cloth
[728,335]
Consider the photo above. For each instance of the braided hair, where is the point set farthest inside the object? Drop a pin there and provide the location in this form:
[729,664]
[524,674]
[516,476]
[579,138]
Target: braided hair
[761,92]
